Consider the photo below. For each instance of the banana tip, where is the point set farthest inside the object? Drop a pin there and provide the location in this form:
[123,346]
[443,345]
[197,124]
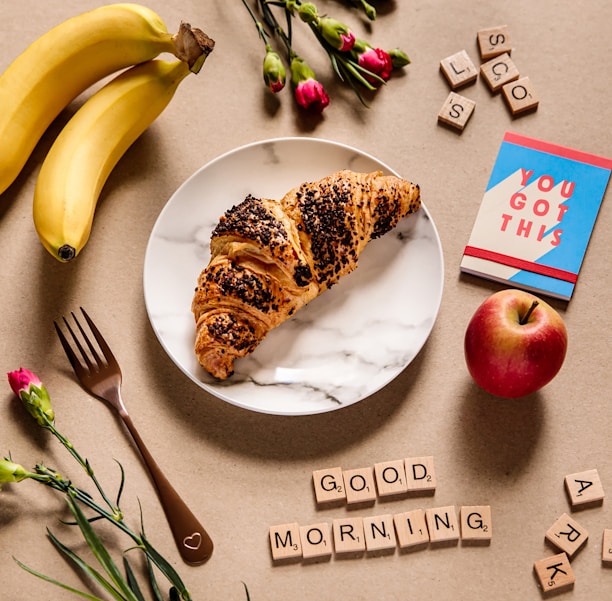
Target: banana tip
[66,253]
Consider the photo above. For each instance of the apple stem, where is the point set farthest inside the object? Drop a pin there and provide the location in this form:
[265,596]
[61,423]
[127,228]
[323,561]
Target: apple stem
[527,315]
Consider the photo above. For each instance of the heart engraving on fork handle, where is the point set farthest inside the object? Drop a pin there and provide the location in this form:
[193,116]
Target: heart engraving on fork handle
[193,541]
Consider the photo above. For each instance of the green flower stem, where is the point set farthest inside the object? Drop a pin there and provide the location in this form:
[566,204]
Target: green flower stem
[260,30]
[53,480]
[84,464]
[272,22]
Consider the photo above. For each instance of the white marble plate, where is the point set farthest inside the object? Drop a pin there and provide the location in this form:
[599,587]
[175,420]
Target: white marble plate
[346,344]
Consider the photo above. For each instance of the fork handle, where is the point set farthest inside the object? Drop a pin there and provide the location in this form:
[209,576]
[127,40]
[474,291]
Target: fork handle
[193,542]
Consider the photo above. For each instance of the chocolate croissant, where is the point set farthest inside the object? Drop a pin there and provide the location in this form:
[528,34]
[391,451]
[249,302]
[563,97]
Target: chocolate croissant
[270,258]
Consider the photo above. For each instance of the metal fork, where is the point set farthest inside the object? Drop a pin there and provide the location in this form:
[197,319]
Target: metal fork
[101,377]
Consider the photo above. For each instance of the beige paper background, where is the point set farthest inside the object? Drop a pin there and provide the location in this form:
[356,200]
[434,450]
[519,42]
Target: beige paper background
[242,472]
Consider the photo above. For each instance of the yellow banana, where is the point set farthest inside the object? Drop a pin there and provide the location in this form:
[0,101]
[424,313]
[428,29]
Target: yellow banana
[64,62]
[87,149]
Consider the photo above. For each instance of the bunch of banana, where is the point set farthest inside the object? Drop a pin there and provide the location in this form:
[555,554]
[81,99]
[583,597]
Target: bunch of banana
[58,67]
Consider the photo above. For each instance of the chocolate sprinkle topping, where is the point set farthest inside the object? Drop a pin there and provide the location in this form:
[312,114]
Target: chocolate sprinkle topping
[252,221]
[330,226]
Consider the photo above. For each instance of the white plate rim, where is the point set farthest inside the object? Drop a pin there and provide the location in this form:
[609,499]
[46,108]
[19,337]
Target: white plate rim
[220,392]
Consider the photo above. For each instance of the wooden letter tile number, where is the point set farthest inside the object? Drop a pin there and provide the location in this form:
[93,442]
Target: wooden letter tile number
[316,541]
[493,41]
[567,535]
[476,525]
[442,524]
[584,488]
[411,529]
[359,485]
[348,535]
[459,69]
[456,111]
[329,485]
[555,573]
[285,541]
[499,71]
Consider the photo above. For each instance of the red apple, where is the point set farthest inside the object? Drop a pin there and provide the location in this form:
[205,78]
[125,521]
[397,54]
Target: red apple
[515,344]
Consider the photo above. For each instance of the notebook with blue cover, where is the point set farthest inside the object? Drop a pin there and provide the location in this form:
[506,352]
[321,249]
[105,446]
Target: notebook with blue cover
[536,216]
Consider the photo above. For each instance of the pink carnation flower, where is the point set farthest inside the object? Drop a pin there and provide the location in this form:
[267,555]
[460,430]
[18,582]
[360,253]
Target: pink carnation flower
[311,94]
[377,61]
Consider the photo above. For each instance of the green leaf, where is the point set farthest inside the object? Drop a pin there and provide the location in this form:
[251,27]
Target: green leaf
[153,580]
[167,570]
[56,582]
[246,590]
[100,551]
[121,484]
[86,568]
[132,581]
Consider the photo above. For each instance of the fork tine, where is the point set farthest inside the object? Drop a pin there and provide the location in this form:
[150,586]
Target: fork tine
[90,346]
[106,351]
[74,360]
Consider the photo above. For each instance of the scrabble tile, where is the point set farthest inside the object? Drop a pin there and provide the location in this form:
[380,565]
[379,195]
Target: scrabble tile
[459,70]
[348,535]
[555,573]
[379,533]
[584,488]
[606,546]
[493,41]
[285,541]
[420,474]
[476,524]
[390,478]
[442,524]
[329,485]
[567,535]
[359,485]
[316,541]
[520,96]
[499,71]
[456,111]
[411,528]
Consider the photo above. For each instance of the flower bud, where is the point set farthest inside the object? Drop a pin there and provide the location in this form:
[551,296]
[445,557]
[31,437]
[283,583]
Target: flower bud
[32,392]
[376,60]
[274,71]
[336,34]
[370,11]
[308,12]
[12,472]
[399,58]
[309,93]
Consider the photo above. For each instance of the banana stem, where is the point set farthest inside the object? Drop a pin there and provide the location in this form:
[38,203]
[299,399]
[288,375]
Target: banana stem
[193,46]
